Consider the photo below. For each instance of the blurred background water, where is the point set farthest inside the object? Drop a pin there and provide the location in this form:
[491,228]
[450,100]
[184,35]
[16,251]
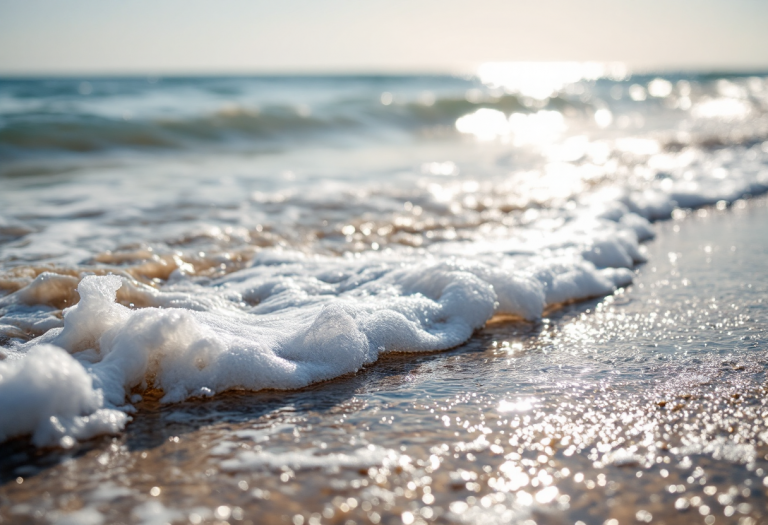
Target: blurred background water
[303,157]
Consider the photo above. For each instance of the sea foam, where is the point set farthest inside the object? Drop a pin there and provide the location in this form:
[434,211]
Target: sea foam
[290,319]
[51,396]
[285,322]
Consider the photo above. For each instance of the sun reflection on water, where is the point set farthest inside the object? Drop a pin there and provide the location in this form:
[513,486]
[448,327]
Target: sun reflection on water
[537,128]
[540,80]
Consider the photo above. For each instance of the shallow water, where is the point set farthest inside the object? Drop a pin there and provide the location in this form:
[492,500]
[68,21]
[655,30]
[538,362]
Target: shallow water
[251,280]
[644,406]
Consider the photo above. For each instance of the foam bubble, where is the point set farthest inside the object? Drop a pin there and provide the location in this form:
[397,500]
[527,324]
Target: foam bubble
[50,395]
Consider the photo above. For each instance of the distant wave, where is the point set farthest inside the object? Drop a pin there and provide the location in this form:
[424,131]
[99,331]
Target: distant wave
[90,134]
[235,126]
[74,116]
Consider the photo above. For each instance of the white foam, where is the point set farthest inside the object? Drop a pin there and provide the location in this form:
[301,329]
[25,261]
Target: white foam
[311,320]
[50,395]
[109,491]
[154,512]
[309,459]
[84,516]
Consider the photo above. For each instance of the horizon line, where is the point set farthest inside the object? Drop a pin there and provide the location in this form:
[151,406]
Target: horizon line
[347,72]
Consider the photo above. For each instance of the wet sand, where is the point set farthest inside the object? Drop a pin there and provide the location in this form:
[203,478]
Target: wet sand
[648,406]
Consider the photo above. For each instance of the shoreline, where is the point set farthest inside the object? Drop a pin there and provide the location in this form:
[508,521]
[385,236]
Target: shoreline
[406,389]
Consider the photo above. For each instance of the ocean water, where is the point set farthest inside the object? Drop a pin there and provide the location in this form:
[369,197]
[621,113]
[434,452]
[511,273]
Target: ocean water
[649,402]
[219,294]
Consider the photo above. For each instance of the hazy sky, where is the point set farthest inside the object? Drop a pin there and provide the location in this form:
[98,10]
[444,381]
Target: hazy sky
[198,36]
